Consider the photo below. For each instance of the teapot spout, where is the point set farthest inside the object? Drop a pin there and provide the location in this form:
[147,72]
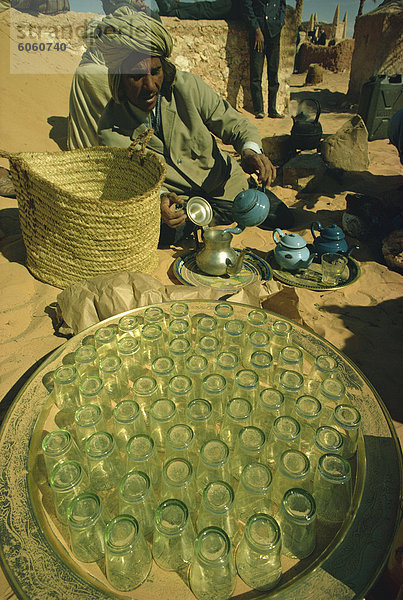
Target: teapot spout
[349,251]
[233,230]
[235,268]
[310,259]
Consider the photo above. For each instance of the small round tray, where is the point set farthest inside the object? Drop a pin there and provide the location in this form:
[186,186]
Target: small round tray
[310,278]
[254,269]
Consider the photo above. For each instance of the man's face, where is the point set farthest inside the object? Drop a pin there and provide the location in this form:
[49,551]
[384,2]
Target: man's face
[142,81]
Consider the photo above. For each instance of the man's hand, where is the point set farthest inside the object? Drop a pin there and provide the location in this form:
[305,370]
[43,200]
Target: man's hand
[258,163]
[259,40]
[169,213]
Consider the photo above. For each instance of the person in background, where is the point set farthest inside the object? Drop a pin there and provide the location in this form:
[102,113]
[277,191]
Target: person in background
[321,41]
[265,20]
[186,116]
[395,132]
[216,9]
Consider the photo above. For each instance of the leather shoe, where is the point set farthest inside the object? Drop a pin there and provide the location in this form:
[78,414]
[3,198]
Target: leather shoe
[273,114]
[259,115]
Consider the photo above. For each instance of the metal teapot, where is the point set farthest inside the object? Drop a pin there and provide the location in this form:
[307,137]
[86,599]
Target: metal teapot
[291,251]
[250,208]
[306,131]
[331,239]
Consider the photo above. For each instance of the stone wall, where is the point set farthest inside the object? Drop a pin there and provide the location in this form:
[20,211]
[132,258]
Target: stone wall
[217,51]
[335,58]
[378,46]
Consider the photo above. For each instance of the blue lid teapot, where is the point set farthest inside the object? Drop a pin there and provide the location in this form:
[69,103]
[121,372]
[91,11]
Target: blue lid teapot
[331,239]
[291,251]
[250,207]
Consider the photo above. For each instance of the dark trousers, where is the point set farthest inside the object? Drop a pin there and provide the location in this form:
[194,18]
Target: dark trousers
[216,9]
[256,60]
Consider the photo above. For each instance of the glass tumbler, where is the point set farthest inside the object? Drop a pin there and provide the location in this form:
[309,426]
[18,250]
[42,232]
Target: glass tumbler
[214,390]
[86,361]
[58,446]
[65,379]
[153,315]
[253,494]
[127,421]
[128,559]
[290,358]
[86,523]
[196,367]
[280,336]
[209,347]
[92,392]
[249,447]
[179,350]
[206,325]
[145,391]
[152,342]
[237,415]
[88,420]
[294,470]
[129,325]
[179,442]
[297,519]
[180,328]
[291,385]
[331,392]
[104,461]
[105,341]
[270,405]
[332,488]
[141,455]
[163,368]
[130,355]
[258,556]
[179,310]
[173,537]
[222,312]
[323,367]
[285,434]
[214,464]
[347,419]
[262,363]
[212,572]
[307,412]
[163,415]
[199,416]
[217,509]
[67,481]
[257,318]
[178,482]
[246,385]
[327,441]
[113,377]
[234,336]
[257,340]
[137,498]
[180,390]
[228,365]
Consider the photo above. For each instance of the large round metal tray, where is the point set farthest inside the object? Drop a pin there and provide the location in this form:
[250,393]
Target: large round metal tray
[37,559]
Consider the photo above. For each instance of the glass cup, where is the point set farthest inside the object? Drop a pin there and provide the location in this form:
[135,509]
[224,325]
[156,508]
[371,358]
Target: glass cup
[209,347]
[105,341]
[141,455]
[128,559]
[291,385]
[347,419]
[163,368]
[179,310]
[179,350]
[137,498]
[327,441]
[217,509]
[228,365]
[258,556]
[179,442]
[163,415]
[104,461]
[332,488]
[294,470]
[129,353]
[214,464]
[65,379]
[270,405]
[257,318]
[86,361]
[331,392]
[88,420]
[206,325]
[199,416]
[113,377]
[92,392]
[333,267]
[152,342]
[323,367]
[234,336]
[67,481]
[212,572]
[222,312]
[145,391]
[129,325]
[246,385]
[58,446]
[307,412]
[249,447]
[154,315]
[253,494]
[173,537]
[180,328]
[237,415]
[178,482]
[285,434]
[261,362]
[280,336]
[86,523]
[127,421]
[257,340]
[214,390]
[180,390]
[297,519]
[290,358]
[196,368]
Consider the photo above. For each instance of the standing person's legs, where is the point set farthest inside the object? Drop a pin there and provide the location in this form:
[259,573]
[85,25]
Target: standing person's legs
[272,49]
[256,60]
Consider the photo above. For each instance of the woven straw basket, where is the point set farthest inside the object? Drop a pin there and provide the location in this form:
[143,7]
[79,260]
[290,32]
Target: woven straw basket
[86,212]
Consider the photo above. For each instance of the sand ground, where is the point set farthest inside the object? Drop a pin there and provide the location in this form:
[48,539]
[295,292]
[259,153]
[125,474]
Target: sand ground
[363,320]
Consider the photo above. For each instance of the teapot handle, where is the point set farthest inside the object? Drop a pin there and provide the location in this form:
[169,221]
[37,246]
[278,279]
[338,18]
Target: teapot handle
[315,225]
[279,232]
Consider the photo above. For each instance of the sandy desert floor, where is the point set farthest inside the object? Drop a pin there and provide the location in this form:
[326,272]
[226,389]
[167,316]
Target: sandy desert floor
[363,320]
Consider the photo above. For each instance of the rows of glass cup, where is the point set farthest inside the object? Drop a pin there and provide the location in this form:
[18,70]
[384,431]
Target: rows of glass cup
[208,441]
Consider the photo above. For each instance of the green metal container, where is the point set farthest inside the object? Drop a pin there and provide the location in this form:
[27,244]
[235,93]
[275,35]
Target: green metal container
[381,96]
